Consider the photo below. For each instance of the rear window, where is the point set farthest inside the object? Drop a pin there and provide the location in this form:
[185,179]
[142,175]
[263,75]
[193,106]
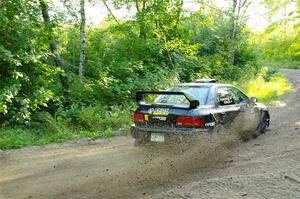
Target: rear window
[200,93]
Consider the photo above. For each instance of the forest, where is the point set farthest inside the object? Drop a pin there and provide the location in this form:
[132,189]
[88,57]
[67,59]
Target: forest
[63,78]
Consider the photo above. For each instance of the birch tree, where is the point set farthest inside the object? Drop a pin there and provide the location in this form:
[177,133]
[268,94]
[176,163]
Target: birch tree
[238,10]
[82,38]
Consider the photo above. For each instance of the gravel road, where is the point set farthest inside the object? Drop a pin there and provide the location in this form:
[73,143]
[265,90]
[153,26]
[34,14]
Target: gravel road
[213,166]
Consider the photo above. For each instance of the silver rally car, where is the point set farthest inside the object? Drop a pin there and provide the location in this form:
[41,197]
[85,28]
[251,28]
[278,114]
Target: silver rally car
[197,107]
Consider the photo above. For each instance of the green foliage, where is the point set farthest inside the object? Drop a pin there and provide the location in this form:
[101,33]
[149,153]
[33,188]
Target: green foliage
[161,45]
[27,82]
[267,86]
[97,118]
[46,121]
[280,41]
[91,122]
[269,74]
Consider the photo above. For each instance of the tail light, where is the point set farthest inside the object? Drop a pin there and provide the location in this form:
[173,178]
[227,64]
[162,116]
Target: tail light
[189,121]
[138,117]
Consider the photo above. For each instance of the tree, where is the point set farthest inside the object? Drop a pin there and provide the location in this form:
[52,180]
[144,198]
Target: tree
[53,46]
[140,10]
[238,9]
[28,80]
[279,42]
[82,37]
[274,6]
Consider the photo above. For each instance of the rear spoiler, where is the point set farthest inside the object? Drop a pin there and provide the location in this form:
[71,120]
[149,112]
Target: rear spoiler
[194,103]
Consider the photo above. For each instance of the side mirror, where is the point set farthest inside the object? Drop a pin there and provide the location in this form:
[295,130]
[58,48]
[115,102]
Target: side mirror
[194,104]
[254,100]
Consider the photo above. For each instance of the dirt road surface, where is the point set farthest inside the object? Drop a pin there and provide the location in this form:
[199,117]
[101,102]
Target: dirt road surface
[216,166]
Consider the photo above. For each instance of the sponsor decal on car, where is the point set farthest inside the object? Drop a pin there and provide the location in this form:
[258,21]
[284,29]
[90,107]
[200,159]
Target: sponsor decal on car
[146,117]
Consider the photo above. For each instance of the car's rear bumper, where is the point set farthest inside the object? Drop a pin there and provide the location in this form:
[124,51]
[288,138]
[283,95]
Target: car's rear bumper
[137,131]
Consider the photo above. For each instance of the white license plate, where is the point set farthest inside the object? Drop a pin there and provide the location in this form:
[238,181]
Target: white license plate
[157,137]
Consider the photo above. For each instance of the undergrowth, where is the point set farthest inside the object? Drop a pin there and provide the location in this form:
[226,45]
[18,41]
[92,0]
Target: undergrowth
[101,121]
[268,86]
[90,122]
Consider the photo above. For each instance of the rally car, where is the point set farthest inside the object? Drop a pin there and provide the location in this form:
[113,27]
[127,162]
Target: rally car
[195,108]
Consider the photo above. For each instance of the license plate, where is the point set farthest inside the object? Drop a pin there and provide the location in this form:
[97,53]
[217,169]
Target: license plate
[159,118]
[158,111]
[157,137]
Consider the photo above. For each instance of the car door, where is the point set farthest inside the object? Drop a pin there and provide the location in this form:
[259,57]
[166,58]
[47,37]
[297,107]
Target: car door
[226,110]
[248,118]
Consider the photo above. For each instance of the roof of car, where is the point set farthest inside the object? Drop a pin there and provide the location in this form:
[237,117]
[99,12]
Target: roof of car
[193,84]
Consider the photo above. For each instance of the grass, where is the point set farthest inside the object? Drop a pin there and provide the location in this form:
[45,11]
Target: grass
[95,122]
[22,137]
[267,87]
[46,129]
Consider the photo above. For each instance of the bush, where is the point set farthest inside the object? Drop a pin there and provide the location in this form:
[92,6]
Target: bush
[46,122]
[267,91]
[98,118]
[269,73]
[90,118]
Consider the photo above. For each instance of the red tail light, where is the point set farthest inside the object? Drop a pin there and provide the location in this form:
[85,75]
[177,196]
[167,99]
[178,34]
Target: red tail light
[138,117]
[189,121]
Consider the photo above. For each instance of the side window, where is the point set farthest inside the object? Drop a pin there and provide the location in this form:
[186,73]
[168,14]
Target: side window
[238,96]
[224,96]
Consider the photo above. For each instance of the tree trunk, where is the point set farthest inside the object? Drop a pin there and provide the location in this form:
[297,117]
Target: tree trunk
[141,17]
[82,38]
[233,29]
[239,8]
[56,57]
[110,12]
